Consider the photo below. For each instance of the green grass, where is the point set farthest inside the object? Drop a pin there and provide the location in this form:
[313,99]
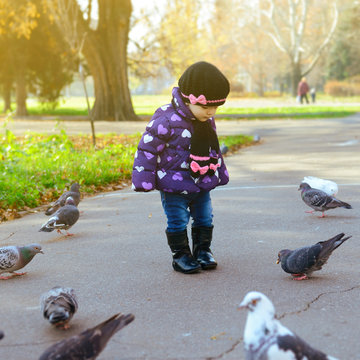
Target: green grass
[36,168]
[259,107]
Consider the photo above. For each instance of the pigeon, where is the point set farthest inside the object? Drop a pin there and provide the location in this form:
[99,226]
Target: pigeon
[303,261]
[63,219]
[223,149]
[89,344]
[13,258]
[328,186]
[59,305]
[73,192]
[320,200]
[265,338]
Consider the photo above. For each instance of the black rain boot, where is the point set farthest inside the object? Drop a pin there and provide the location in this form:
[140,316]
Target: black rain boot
[183,261]
[202,237]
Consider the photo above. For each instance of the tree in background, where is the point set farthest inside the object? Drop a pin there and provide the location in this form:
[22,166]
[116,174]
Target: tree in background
[17,20]
[301,29]
[104,46]
[34,59]
[343,57]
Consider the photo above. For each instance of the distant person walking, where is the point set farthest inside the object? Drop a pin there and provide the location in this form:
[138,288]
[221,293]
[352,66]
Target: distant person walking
[303,89]
[313,95]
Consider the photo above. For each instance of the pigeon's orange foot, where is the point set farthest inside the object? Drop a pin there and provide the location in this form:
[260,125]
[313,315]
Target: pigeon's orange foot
[299,277]
[63,326]
[5,277]
[11,276]
[322,216]
[69,234]
[18,274]
[59,231]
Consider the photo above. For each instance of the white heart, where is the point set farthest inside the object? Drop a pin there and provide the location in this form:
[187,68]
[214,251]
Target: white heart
[184,192]
[184,165]
[176,102]
[136,154]
[161,174]
[148,138]
[186,133]
[164,107]
[158,159]
[132,186]
[150,124]
[139,168]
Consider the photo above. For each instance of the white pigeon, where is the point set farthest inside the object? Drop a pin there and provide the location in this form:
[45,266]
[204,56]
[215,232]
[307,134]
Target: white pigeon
[265,338]
[328,186]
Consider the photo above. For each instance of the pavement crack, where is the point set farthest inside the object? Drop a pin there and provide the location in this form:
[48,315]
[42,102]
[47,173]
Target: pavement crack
[220,356]
[308,305]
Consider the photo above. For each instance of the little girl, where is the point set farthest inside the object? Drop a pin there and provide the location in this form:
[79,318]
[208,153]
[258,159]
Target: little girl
[179,155]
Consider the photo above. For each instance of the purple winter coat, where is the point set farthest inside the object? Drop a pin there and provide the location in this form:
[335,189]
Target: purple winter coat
[162,158]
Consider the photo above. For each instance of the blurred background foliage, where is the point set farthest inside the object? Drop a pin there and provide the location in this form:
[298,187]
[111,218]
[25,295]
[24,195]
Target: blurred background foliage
[141,47]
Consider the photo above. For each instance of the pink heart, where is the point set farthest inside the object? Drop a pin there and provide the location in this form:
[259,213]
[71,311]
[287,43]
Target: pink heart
[162,130]
[146,185]
[148,155]
[175,117]
[177,176]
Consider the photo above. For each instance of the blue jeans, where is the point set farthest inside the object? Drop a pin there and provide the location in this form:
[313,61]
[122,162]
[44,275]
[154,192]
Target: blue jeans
[179,207]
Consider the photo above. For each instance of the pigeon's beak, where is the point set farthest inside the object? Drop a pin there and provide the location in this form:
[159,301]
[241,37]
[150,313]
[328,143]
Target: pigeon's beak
[242,306]
[41,251]
[278,260]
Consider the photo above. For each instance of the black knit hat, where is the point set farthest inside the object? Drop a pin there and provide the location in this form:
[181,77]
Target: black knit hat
[204,84]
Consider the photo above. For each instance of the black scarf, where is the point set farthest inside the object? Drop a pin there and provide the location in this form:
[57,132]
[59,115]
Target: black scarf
[203,140]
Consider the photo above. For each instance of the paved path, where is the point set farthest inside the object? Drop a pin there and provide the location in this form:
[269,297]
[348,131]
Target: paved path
[119,260]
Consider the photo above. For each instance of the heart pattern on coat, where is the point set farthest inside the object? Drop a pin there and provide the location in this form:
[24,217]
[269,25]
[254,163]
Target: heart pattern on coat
[177,176]
[161,174]
[175,117]
[148,138]
[186,134]
[146,185]
[165,107]
[139,168]
[148,155]
[151,123]
[162,130]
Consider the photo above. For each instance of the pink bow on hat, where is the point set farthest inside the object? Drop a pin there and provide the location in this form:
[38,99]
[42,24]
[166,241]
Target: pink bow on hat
[200,99]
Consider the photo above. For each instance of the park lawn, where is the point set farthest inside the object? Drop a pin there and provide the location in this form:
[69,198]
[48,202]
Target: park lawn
[36,168]
[145,105]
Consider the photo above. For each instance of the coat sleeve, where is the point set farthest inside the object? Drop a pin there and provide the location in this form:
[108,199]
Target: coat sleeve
[152,143]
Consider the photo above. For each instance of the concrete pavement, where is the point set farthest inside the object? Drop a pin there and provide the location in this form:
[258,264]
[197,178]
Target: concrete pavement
[118,259]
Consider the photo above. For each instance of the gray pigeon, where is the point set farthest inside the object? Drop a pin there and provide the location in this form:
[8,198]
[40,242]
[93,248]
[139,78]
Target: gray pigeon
[223,149]
[303,261]
[63,219]
[89,344]
[265,338]
[13,258]
[320,200]
[73,192]
[59,305]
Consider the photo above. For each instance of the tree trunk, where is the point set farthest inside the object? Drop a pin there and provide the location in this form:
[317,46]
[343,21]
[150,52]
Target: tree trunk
[105,50]
[21,93]
[7,95]
[296,77]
